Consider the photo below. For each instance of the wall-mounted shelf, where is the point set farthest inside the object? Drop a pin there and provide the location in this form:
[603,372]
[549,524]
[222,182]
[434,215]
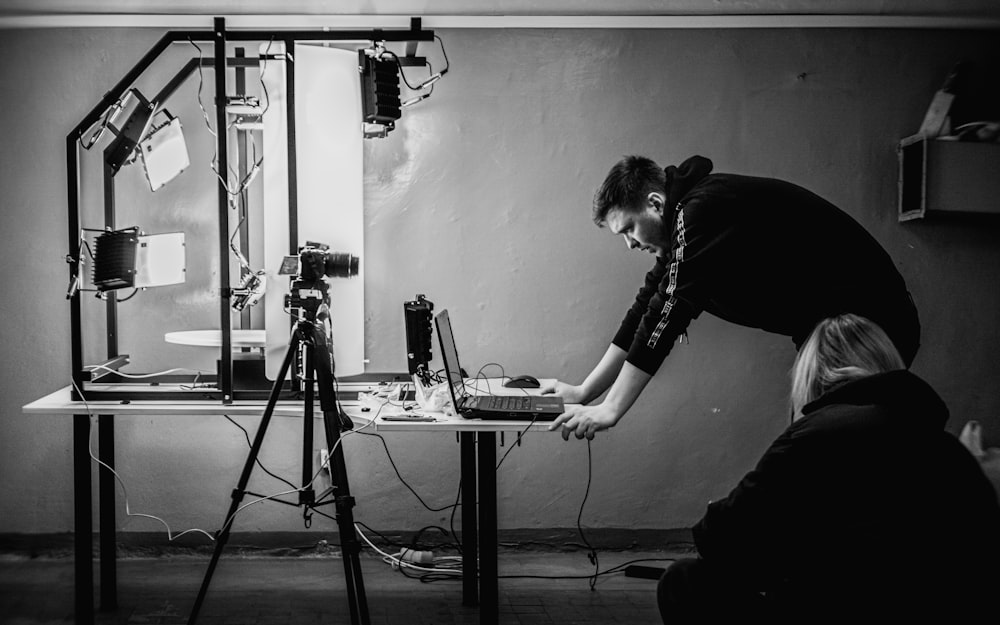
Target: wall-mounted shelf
[942,177]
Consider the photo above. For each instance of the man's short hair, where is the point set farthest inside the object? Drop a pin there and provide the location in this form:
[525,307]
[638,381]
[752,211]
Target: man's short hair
[627,185]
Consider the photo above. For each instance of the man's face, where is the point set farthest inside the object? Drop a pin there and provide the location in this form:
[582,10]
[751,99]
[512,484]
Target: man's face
[642,229]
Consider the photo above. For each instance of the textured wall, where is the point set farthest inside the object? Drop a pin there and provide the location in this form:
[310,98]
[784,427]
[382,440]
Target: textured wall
[480,200]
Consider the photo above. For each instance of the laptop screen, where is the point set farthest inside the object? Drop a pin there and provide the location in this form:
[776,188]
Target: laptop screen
[449,353]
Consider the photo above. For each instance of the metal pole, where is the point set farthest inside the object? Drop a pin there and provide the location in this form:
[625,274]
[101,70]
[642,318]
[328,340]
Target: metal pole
[106,512]
[470,523]
[222,136]
[83,523]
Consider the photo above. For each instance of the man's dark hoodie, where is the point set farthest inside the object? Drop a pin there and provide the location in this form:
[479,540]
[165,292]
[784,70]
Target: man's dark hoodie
[762,253]
[864,503]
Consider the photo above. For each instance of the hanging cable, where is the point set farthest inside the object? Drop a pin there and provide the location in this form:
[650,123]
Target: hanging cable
[121,483]
[592,555]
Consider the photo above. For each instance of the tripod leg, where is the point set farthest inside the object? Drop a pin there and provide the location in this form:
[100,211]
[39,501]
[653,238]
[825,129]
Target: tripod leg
[319,361]
[223,535]
[349,544]
[307,496]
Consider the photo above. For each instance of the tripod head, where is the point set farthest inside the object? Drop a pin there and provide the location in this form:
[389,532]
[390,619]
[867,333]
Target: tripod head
[309,294]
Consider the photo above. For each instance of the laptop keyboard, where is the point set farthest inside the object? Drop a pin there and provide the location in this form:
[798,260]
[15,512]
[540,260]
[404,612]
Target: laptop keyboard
[507,402]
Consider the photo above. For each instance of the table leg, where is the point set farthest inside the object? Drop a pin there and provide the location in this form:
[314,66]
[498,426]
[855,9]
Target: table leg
[83,524]
[106,512]
[487,477]
[470,535]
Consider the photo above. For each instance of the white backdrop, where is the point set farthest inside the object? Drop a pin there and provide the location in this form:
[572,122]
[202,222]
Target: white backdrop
[330,189]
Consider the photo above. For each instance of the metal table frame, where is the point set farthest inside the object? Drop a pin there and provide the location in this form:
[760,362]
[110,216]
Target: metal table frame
[478,441]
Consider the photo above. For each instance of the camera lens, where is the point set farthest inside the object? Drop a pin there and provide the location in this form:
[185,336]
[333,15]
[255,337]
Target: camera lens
[341,265]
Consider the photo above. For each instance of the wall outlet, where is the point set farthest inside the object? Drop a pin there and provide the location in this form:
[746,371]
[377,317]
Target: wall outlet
[324,462]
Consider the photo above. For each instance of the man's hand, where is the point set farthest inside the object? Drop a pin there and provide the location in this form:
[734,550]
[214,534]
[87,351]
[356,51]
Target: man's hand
[571,394]
[588,420]
[585,421]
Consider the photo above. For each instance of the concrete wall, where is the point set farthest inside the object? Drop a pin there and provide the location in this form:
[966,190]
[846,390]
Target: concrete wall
[480,199]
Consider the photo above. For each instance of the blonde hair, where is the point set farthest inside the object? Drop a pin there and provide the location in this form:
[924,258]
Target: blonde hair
[845,347]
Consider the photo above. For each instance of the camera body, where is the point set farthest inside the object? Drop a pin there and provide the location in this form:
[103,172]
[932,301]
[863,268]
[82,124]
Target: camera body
[315,261]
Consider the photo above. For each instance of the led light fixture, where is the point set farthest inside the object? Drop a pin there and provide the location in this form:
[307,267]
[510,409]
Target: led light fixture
[164,153]
[122,149]
[380,103]
[130,259]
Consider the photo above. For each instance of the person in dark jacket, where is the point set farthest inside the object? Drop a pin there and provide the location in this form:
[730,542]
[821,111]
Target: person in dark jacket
[865,508]
[759,252]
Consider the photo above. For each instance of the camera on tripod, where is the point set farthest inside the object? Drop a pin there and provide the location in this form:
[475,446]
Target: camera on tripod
[315,262]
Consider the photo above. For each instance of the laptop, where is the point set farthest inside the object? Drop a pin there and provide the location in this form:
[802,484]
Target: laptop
[506,407]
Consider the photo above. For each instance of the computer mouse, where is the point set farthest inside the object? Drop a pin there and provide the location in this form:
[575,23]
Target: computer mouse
[522,381]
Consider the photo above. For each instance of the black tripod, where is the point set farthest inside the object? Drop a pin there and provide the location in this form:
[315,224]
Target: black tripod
[316,358]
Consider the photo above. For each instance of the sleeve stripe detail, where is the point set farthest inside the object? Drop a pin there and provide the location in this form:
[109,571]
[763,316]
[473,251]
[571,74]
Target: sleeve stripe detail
[655,336]
[672,283]
[681,237]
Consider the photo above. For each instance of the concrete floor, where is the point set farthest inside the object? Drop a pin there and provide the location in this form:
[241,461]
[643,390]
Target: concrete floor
[306,590]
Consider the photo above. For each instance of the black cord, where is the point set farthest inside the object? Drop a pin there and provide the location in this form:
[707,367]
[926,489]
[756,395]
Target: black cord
[267,97]
[621,566]
[451,520]
[249,444]
[105,120]
[428,376]
[201,83]
[424,577]
[427,578]
[404,482]
[447,63]
[482,376]
[382,536]
[430,68]
[413,546]
[125,299]
[593,576]
[458,495]
[431,577]
[592,556]
[435,577]
[513,444]
[615,569]
[402,74]
[415,541]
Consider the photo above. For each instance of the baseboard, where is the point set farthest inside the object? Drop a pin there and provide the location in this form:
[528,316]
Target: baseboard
[321,542]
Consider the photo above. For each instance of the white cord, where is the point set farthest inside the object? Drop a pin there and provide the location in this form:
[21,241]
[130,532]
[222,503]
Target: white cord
[138,376]
[252,173]
[170,536]
[397,562]
[128,513]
